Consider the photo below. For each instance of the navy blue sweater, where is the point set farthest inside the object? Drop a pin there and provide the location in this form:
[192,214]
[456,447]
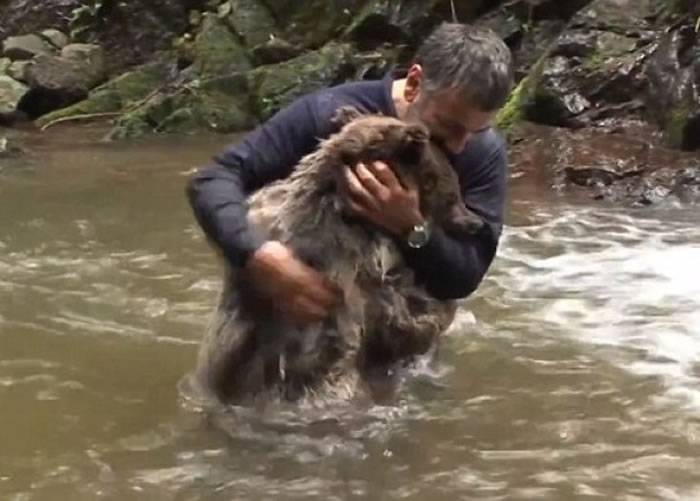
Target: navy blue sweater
[449,267]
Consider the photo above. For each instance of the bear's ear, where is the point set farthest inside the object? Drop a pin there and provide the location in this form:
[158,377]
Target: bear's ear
[344,115]
[416,134]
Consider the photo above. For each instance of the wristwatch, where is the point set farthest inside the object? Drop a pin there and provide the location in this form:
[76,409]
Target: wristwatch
[419,235]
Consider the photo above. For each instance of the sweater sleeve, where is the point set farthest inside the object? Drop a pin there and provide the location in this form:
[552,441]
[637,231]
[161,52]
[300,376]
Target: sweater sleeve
[217,193]
[452,267]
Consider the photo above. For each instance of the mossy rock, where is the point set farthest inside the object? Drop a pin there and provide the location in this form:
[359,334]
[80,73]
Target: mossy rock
[312,23]
[116,95]
[252,21]
[275,86]
[5,63]
[219,104]
[216,50]
[673,100]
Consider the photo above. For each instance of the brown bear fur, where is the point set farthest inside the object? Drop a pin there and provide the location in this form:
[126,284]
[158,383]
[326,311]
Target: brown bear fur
[249,351]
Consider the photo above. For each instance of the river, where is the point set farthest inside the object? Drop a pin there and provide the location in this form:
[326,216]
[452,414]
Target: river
[573,372]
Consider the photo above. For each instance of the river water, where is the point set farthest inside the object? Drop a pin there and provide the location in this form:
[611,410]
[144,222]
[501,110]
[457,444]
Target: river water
[573,373]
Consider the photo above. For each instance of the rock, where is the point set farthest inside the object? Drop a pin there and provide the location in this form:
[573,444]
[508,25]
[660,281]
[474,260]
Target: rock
[18,70]
[674,88]
[401,23]
[219,104]
[252,21]
[132,32]
[275,50]
[276,85]
[18,17]
[312,23]
[9,149]
[687,184]
[55,37]
[90,54]
[217,51]
[11,93]
[619,163]
[595,69]
[25,47]
[57,82]
[5,63]
[117,95]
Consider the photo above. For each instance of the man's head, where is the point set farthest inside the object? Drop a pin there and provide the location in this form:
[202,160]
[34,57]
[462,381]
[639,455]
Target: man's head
[460,77]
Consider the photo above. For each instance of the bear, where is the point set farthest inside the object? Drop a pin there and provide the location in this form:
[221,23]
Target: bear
[249,352]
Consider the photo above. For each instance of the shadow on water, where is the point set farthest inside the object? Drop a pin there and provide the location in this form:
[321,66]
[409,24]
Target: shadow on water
[572,373]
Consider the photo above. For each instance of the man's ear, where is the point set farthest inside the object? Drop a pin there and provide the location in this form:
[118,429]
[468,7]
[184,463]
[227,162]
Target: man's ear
[344,115]
[414,83]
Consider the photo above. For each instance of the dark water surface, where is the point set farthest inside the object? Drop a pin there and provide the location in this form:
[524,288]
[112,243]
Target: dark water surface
[573,373]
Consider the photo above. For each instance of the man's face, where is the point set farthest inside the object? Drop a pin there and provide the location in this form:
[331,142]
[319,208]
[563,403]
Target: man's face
[452,121]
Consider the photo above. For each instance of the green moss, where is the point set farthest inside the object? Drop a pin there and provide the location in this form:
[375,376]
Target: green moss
[116,95]
[512,113]
[253,21]
[276,85]
[216,49]
[676,123]
[594,62]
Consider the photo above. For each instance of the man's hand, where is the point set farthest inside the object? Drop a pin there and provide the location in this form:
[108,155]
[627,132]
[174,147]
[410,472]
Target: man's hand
[298,291]
[374,192]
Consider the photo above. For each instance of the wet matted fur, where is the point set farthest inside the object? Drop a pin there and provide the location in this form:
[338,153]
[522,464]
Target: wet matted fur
[250,351]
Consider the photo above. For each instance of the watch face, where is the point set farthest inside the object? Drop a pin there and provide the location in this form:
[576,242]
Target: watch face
[418,237]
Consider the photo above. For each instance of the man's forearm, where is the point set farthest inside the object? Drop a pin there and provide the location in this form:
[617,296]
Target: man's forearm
[218,200]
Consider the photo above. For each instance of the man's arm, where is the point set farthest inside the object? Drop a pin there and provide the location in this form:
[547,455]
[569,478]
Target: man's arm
[451,267]
[218,192]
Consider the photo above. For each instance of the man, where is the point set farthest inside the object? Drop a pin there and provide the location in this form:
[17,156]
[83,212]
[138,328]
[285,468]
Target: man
[461,76]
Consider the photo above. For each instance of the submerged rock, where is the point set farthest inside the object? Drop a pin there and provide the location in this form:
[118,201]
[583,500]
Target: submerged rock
[9,148]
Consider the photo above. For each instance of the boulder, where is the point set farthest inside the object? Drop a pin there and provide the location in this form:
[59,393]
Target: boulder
[276,85]
[90,55]
[252,20]
[216,50]
[18,17]
[595,69]
[5,63]
[11,94]
[274,50]
[57,82]
[217,104]
[25,47]
[673,99]
[18,70]
[120,94]
[55,37]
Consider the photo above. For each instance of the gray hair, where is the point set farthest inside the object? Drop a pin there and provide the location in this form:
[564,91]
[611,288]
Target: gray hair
[472,59]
